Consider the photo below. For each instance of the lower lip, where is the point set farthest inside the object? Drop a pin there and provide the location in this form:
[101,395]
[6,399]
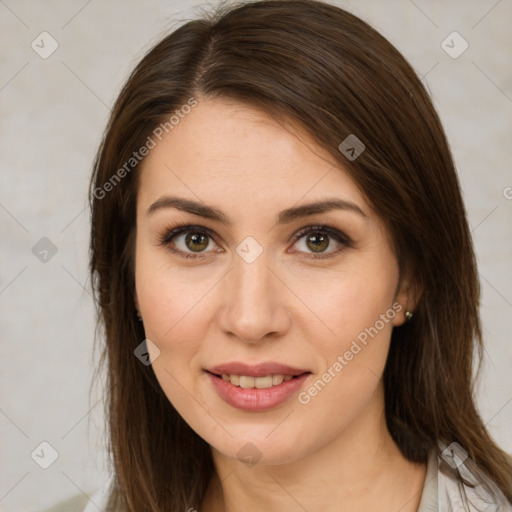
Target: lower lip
[253,399]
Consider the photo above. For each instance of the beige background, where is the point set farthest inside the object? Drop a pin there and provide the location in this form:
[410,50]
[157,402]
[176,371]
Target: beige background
[53,112]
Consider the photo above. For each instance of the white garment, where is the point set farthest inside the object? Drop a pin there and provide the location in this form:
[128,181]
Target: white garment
[98,501]
[444,491]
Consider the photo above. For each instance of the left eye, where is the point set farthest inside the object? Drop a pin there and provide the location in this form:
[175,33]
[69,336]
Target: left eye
[317,239]
[191,241]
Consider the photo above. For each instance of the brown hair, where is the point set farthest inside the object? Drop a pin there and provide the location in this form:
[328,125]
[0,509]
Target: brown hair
[332,74]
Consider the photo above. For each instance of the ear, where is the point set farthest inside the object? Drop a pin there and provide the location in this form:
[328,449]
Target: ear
[407,296]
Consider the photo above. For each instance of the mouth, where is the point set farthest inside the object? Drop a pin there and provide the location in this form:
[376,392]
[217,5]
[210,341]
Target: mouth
[256,388]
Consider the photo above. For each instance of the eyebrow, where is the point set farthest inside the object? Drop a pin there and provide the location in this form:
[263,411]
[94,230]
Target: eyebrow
[284,217]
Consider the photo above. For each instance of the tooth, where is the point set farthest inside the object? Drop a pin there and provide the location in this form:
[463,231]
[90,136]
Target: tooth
[277,379]
[246,381]
[263,382]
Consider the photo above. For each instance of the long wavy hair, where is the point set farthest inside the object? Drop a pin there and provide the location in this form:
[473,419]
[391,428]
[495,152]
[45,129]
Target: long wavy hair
[331,73]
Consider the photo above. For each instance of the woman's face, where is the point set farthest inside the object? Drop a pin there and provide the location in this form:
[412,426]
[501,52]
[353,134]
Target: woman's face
[264,279]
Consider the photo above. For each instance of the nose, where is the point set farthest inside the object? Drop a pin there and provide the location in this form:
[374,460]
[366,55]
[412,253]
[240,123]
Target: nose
[253,302]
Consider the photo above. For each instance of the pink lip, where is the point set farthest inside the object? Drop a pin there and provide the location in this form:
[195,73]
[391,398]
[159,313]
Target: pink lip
[258,370]
[253,399]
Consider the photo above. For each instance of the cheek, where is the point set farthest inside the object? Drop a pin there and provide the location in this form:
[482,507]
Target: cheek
[346,301]
[170,307]
[168,295]
[355,312]
[176,305]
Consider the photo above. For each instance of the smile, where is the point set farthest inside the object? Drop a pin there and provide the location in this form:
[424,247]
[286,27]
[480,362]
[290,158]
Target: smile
[256,394]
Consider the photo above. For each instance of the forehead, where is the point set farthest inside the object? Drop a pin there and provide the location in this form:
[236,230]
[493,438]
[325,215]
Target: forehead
[231,151]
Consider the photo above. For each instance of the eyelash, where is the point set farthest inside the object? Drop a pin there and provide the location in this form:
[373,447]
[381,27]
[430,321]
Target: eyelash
[169,235]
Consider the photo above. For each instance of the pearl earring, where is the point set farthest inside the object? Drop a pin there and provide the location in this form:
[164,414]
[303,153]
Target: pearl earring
[408,315]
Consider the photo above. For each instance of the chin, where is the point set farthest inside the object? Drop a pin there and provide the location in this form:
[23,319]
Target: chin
[257,447]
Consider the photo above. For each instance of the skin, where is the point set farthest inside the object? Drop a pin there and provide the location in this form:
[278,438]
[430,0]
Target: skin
[335,452]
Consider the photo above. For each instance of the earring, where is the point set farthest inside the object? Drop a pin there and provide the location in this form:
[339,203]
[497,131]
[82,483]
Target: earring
[408,315]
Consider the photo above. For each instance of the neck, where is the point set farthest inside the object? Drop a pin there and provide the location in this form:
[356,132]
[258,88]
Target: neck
[361,469]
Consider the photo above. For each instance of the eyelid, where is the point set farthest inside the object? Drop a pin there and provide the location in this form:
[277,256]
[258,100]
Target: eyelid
[170,233]
[333,232]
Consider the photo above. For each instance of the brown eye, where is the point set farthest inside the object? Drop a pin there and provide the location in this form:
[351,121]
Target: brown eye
[196,242]
[317,239]
[317,242]
[187,241]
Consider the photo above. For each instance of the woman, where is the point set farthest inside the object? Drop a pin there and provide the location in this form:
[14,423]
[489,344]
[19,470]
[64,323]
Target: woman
[285,276]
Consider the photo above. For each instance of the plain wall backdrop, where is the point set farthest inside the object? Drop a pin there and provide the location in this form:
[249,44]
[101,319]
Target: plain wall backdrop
[54,107]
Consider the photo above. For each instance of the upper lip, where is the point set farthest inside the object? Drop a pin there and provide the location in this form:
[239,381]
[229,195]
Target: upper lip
[256,370]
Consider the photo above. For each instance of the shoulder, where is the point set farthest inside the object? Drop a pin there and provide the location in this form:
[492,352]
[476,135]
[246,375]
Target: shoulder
[463,486]
[74,504]
[429,495]
[453,482]
[80,503]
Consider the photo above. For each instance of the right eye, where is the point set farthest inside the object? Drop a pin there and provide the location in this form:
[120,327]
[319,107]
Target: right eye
[187,241]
